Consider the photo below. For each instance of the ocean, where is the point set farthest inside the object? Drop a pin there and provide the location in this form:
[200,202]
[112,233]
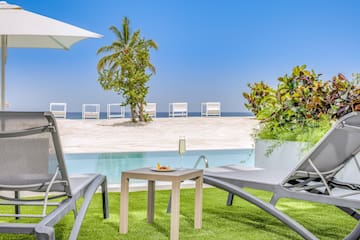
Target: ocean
[78,115]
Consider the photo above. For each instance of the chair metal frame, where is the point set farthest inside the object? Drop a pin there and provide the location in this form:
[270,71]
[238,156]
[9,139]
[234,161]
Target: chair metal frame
[68,189]
[313,179]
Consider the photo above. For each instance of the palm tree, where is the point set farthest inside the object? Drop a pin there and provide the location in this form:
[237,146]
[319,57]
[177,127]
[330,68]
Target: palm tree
[121,46]
[128,58]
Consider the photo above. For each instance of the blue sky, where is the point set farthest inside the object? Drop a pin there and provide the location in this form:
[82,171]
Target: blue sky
[208,49]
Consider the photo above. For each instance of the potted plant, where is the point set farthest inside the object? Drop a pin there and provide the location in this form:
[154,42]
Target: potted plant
[295,115]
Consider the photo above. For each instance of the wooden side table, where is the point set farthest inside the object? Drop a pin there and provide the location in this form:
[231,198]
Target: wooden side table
[175,178]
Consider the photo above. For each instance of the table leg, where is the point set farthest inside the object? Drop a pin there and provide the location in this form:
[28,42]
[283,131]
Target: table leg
[124,204]
[151,201]
[175,210]
[198,202]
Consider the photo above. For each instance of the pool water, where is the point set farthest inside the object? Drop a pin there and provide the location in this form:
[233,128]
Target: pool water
[112,164]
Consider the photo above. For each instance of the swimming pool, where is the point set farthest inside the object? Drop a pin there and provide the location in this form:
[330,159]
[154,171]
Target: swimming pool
[112,164]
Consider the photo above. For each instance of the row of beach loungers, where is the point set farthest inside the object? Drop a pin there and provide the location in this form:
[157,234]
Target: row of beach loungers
[115,110]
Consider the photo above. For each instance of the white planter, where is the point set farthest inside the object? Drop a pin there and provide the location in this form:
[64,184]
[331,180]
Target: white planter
[284,156]
[289,154]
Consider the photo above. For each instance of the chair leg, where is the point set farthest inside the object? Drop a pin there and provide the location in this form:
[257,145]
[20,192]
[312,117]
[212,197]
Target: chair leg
[17,207]
[45,233]
[89,193]
[274,199]
[306,234]
[105,198]
[230,199]
[75,211]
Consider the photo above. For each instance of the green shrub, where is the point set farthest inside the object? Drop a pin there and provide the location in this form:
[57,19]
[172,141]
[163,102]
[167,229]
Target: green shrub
[303,106]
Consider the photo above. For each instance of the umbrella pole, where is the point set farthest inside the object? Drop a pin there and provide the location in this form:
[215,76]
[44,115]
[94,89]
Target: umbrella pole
[3,62]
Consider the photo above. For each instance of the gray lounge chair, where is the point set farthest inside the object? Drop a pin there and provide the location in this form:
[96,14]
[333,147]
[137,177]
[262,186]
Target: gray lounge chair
[313,179]
[31,160]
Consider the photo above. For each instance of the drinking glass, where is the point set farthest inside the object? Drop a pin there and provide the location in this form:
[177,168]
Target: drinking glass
[182,149]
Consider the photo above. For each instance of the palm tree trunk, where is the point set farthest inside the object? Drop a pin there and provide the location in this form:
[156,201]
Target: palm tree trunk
[133,112]
[141,112]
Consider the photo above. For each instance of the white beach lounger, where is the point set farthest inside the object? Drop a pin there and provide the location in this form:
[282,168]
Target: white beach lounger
[115,114]
[91,111]
[58,109]
[211,109]
[150,109]
[178,109]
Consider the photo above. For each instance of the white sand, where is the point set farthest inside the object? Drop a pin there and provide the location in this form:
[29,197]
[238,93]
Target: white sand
[120,135]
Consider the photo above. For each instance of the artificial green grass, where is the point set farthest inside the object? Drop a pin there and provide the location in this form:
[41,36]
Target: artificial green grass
[240,221]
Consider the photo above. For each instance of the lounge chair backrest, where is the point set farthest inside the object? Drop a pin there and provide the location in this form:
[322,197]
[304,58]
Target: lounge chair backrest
[213,106]
[180,107]
[31,156]
[30,152]
[337,147]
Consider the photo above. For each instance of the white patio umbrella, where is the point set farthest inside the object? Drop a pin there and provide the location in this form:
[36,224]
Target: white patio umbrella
[23,29]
